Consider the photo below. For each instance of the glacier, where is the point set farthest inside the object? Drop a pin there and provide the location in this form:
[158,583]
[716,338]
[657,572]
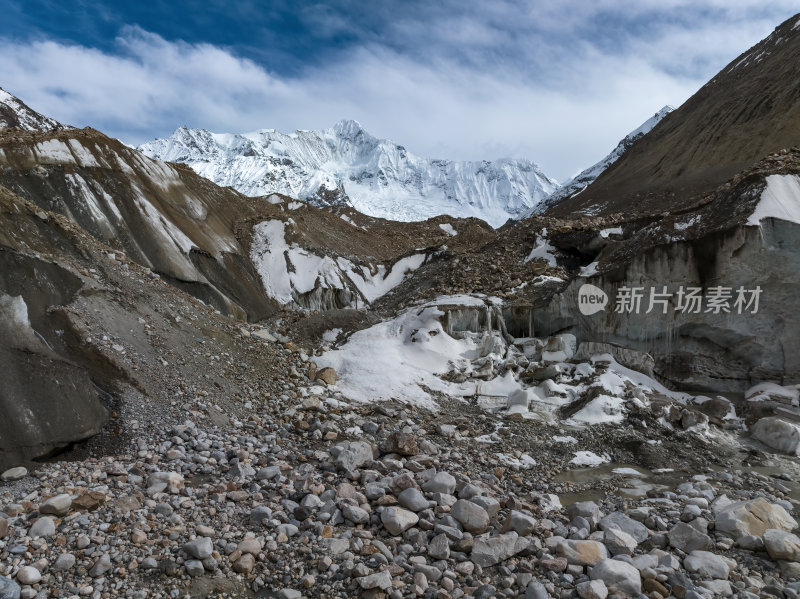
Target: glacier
[345,165]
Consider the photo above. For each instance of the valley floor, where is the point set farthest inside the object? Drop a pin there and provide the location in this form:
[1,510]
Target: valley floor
[296,490]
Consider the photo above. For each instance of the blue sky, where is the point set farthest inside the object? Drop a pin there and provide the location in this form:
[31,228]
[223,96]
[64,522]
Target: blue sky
[559,82]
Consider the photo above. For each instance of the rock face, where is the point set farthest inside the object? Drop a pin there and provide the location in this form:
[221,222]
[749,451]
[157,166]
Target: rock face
[701,219]
[15,114]
[46,401]
[165,218]
[724,351]
[752,518]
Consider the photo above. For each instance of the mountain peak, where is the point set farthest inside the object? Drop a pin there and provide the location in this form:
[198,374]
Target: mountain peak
[15,114]
[346,165]
[349,126]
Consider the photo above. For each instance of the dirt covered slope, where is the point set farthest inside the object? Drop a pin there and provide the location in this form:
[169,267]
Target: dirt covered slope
[748,110]
[93,343]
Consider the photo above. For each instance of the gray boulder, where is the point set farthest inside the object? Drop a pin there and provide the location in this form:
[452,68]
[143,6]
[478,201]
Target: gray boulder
[707,565]
[413,500]
[782,545]
[472,517]
[687,538]
[493,550]
[442,482]
[592,589]
[199,548]
[619,542]
[42,527]
[57,506]
[354,455]
[620,577]
[9,589]
[397,520]
[752,518]
[626,524]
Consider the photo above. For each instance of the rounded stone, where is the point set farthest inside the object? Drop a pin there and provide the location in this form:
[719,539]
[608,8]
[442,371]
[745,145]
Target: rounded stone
[28,575]
[471,516]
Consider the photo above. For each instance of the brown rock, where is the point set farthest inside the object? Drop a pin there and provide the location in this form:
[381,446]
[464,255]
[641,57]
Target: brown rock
[90,501]
[138,537]
[401,443]
[245,564]
[126,504]
[558,564]
[327,375]
[651,585]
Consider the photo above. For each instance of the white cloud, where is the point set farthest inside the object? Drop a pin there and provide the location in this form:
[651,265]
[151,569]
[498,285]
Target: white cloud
[563,105]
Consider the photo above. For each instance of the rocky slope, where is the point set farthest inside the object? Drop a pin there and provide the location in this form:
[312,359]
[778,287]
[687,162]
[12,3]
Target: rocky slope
[424,409]
[15,114]
[345,165]
[747,111]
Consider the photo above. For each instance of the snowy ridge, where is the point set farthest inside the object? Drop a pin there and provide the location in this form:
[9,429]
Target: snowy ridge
[293,275]
[586,177]
[346,165]
[14,113]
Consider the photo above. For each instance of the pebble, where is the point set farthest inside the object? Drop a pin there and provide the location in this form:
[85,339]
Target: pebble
[28,575]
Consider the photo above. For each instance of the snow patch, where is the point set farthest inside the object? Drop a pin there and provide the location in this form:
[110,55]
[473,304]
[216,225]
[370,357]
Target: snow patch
[611,231]
[780,199]
[542,250]
[396,358]
[448,228]
[588,458]
[564,439]
[590,270]
[523,462]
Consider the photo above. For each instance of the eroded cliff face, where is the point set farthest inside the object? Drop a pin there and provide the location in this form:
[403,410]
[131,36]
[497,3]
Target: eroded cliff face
[164,217]
[725,351]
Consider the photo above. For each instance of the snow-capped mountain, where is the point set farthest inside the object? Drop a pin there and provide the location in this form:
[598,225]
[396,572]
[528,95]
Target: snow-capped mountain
[346,165]
[14,113]
[583,179]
